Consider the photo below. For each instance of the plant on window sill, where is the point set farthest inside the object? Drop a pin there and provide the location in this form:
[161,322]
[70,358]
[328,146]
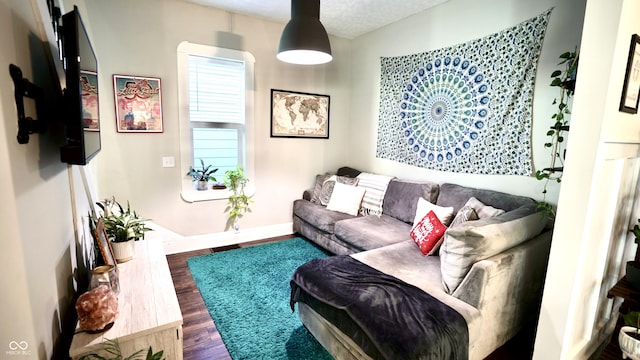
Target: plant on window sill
[566,80]
[203,175]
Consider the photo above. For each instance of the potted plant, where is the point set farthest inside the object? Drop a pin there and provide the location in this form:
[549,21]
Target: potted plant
[565,80]
[112,347]
[123,227]
[238,204]
[202,175]
[633,267]
[629,336]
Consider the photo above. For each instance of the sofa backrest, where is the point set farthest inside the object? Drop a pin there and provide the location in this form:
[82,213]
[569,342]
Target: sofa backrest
[457,195]
[401,199]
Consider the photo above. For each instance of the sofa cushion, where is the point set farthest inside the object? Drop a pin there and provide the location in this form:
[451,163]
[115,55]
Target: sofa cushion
[371,232]
[477,240]
[467,213]
[329,183]
[428,233]
[457,196]
[445,214]
[346,199]
[318,215]
[401,199]
[317,188]
[483,210]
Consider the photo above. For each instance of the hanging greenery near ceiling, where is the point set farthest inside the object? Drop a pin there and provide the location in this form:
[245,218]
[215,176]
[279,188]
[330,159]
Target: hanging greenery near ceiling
[465,108]
[564,79]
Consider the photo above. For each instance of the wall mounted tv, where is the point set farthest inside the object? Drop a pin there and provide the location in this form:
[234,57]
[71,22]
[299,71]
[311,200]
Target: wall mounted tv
[81,114]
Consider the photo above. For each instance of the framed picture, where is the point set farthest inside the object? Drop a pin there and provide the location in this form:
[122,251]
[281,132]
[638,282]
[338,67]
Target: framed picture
[105,246]
[297,114]
[631,88]
[138,103]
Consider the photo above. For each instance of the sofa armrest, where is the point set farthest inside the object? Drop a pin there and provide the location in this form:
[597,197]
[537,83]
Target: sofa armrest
[507,287]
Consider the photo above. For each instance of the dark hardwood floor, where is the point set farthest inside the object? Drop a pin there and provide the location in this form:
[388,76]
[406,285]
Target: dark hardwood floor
[201,340]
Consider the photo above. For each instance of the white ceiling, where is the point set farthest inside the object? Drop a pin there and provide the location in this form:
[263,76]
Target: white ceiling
[343,18]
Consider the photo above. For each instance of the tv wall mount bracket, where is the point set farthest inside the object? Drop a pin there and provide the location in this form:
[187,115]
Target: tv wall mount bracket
[24,88]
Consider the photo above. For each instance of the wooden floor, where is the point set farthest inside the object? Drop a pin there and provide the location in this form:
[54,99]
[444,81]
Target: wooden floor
[201,340]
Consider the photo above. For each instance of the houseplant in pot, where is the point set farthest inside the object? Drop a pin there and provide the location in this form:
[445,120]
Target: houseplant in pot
[202,175]
[629,336]
[633,267]
[238,203]
[123,227]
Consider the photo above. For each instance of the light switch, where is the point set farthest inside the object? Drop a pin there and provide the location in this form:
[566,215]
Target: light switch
[168,161]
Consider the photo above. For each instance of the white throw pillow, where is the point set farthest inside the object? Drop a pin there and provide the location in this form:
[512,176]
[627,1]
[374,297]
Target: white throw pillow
[444,214]
[483,211]
[346,198]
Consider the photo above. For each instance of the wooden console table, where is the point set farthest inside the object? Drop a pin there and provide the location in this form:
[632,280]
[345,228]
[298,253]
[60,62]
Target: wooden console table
[149,313]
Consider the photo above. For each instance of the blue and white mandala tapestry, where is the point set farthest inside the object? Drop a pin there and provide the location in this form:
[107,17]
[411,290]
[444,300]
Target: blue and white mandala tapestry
[465,108]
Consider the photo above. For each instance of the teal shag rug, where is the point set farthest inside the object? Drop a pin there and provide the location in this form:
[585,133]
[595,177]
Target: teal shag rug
[247,292]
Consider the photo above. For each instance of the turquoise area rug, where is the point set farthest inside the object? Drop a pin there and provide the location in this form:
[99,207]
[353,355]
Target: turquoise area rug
[247,293]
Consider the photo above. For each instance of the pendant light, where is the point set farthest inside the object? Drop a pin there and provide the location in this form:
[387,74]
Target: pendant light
[304,40]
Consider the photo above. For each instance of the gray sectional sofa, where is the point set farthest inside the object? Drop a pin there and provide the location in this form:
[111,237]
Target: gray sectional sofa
[490,271]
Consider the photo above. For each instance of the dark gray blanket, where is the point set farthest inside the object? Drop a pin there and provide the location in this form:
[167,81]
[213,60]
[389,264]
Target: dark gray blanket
[402,321]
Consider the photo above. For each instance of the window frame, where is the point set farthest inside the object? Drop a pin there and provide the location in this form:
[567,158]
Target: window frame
[188,191]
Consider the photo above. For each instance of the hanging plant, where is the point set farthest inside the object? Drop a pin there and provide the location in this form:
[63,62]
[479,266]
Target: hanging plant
[565,79]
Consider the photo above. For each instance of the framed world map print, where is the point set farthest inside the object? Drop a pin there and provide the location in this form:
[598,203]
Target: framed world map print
[298,114]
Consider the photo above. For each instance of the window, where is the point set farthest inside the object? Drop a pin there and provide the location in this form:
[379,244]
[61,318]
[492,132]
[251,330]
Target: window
[215,87]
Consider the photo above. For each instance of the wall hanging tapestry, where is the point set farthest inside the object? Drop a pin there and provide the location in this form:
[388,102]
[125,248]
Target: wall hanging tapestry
[465,108]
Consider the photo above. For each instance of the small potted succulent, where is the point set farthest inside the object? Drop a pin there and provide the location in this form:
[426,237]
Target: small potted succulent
[123,227]
[202,175]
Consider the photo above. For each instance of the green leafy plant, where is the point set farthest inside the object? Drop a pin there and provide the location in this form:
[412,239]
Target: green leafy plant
[122,225]
[238,204]
[565,79]
[203,174]
[636,233]
[112,347]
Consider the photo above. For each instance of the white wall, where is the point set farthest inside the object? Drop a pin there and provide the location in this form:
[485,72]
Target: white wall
[39,245]
[454,22]
[599,198]
[141,38]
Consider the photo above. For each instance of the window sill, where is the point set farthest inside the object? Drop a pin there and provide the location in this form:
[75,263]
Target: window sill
[192,195]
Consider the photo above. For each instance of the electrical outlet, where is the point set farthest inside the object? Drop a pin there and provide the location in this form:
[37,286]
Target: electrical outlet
[168,161]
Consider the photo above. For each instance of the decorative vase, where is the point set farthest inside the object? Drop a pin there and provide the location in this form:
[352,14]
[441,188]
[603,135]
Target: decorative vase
[123,251]
[105,275]
[203,185]
[629,345]
[633,274]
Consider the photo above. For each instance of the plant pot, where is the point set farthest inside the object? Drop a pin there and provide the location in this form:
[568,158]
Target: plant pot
[202,185]
[629,345]
[633,274]
[123,251]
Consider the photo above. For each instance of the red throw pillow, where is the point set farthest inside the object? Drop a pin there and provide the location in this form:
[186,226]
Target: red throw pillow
[428,233]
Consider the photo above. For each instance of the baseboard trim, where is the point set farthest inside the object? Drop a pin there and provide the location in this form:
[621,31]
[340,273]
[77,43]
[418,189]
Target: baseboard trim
[175,243]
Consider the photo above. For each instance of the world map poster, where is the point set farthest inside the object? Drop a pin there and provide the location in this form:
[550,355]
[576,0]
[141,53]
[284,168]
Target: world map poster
[296,114]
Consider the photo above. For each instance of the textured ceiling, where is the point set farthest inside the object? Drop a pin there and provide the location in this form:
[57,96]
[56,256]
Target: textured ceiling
[343,18]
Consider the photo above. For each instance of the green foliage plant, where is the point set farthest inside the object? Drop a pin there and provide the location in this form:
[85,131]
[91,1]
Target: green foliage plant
[238,203]
[112,347]
[205,173]
[122,225]
[565,80]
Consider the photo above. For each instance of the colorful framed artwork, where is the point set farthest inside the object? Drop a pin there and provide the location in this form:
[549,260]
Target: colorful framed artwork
[299,115]
[631,87]
[138,103]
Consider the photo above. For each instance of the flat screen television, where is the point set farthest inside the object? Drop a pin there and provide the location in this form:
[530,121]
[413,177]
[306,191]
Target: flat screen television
[81,104]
